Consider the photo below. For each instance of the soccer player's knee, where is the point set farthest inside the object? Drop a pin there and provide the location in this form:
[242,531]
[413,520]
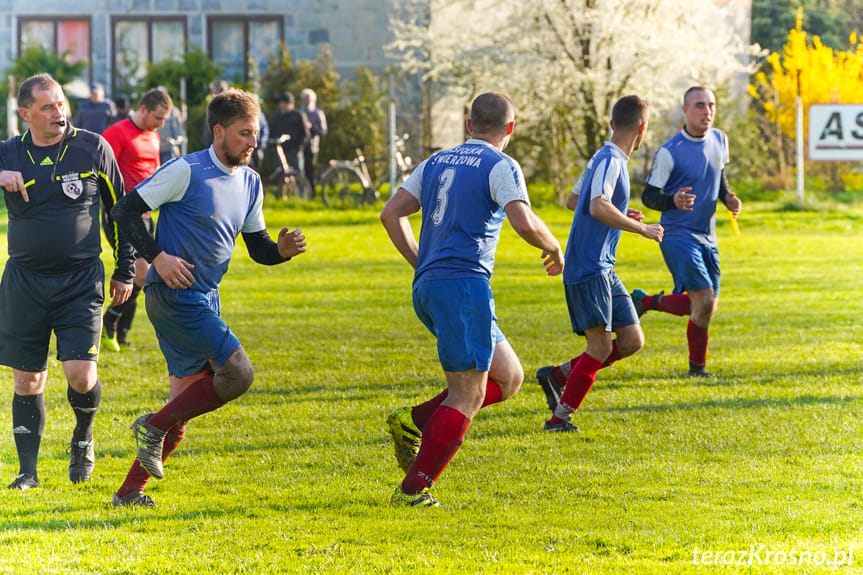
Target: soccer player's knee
[509,386]
[234,377]
[630,344]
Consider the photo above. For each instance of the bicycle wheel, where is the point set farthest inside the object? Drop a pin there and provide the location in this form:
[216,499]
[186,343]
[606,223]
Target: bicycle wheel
[275,184]
[342,188]
[295,184]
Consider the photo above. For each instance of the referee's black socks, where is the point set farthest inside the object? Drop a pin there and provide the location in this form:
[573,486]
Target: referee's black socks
[85,406]
[28,423]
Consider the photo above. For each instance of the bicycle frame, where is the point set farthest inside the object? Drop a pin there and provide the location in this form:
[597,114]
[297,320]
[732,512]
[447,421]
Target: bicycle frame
[280,152]
[358,165]
[285,175]
[335,189]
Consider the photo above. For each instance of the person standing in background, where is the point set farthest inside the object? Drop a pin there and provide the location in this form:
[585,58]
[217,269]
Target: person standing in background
[317,130]
[97,113]
[136,146]
[288,120]
[172,134]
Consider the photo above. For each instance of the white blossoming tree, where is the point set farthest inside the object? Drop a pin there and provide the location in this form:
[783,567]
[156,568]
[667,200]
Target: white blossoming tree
[565,62]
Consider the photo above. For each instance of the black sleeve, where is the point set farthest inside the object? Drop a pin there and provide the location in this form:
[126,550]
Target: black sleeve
[263,249]
[653,198]
[110,187]
[724,188]
[127,213]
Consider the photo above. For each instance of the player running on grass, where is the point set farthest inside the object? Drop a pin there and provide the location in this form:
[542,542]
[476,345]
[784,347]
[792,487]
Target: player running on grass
[206,199]
[685,181]
[467,192]
[597,300]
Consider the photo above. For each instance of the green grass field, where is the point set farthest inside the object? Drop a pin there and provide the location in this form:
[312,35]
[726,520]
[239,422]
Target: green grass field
[295,476]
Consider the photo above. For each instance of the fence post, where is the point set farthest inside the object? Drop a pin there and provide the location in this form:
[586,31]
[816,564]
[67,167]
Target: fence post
[12,109]
[799,134]
[391,121]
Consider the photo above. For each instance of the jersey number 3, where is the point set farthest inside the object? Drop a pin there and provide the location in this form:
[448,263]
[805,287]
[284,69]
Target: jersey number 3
[445,182]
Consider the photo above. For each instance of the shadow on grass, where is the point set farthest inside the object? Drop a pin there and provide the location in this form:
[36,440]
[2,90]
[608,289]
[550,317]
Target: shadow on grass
[802,400]
[134,517]
[681,379]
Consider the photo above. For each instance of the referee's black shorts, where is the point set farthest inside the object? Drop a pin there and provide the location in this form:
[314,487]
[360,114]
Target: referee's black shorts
[33,304]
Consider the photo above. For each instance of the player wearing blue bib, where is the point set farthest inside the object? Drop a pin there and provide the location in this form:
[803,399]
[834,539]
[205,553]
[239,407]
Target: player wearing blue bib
[598,303]
[205,200]
[685,182]
[465,194]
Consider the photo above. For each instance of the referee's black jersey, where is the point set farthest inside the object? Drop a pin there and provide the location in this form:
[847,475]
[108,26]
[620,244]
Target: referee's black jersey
[58,229]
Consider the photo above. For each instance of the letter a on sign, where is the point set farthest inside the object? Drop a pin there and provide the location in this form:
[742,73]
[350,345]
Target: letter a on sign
[833,127]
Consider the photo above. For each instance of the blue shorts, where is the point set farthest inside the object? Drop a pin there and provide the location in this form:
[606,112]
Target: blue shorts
[460,314]
[693,266]
[602,301]
[190,330]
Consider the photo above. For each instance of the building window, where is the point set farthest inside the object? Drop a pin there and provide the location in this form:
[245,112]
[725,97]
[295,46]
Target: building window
[69,36]
[141,41]
[243,46]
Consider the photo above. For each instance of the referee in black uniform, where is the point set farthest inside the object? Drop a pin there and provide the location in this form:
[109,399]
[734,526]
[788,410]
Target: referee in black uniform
[53,177]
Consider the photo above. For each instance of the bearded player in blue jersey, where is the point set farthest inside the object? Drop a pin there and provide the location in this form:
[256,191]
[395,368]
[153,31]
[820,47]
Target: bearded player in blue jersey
[206,199]
[465,194]
[599,305]
[685,182]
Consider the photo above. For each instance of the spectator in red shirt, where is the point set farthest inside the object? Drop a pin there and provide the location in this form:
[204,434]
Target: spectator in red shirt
[136,146]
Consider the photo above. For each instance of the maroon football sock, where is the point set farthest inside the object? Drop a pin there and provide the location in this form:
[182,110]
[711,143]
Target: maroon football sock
[580,381]
[197,399]
[137,477]
[562,371]
[422,412]
[675,303]
[443,435]
[697,338]
[613,356]
[493,393]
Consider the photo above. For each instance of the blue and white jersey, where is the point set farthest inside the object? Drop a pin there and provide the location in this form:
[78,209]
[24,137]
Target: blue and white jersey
[592,246]
[687,161]
[462,192]
[203,206]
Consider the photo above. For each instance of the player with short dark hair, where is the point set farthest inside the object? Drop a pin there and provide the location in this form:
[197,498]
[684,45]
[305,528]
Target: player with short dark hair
[136,146]
[54,177]
[205,200]
[465,194]
[685,182]
[598,303]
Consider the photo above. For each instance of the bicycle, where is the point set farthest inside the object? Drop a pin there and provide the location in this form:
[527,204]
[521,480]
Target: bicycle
[289,181]
[347,184]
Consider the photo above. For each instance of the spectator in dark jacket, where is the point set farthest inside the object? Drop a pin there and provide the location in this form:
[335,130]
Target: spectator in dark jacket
[97,113]
[288,120]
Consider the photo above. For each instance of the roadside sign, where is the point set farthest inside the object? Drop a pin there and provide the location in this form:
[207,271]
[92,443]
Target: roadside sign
[836,132]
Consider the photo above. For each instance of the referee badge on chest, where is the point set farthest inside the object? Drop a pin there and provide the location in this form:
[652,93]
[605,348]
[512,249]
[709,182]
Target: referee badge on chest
[72,185]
